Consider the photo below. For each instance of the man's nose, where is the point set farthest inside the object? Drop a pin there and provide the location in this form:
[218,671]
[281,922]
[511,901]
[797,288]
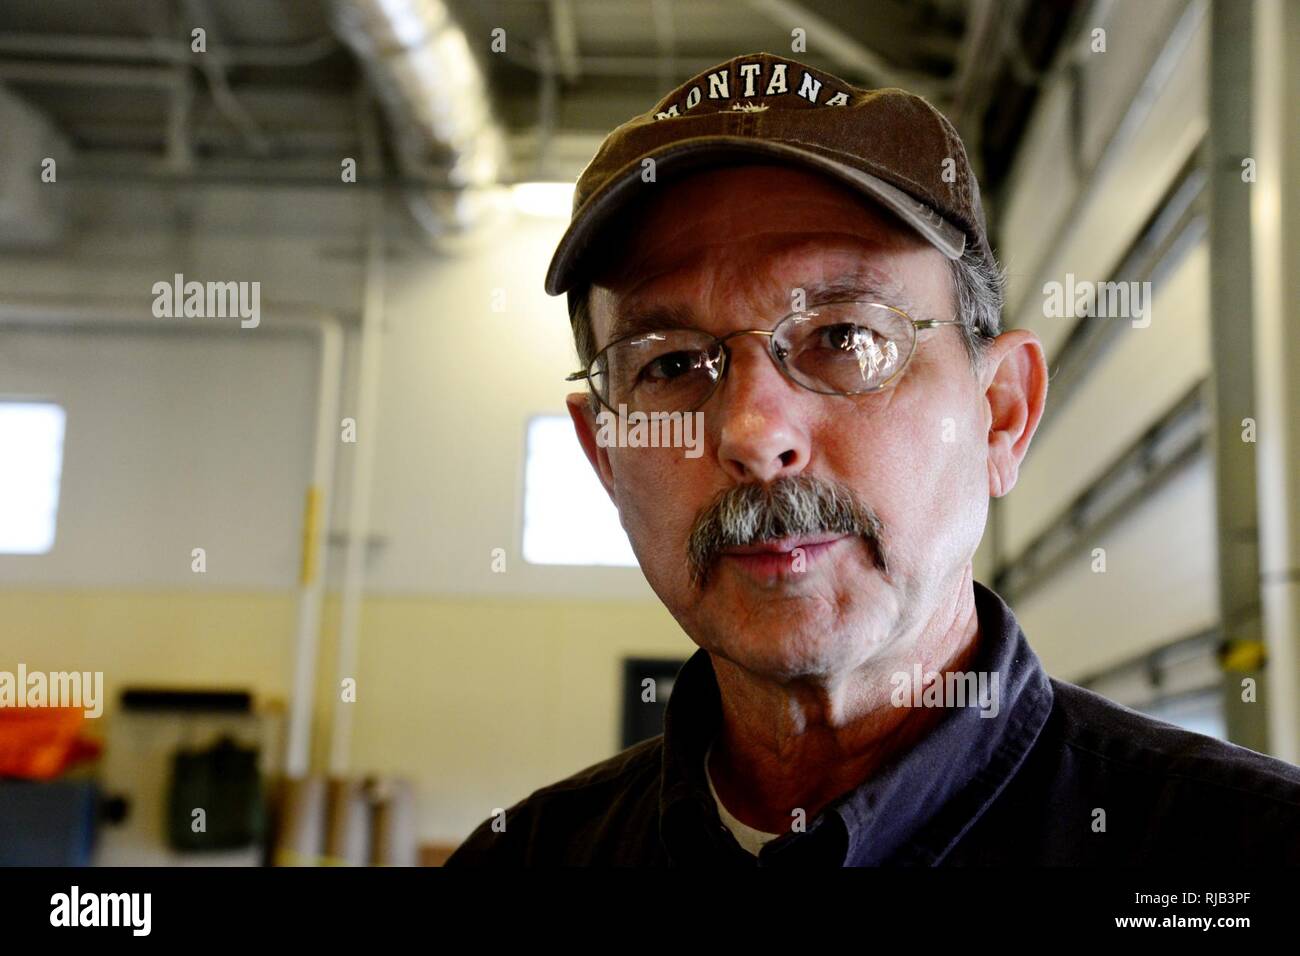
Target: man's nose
[760,435]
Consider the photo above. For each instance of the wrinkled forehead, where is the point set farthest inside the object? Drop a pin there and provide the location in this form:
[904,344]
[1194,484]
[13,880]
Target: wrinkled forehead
[753,236]
[752,206]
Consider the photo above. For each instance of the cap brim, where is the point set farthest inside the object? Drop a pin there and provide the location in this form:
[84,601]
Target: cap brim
[707,151]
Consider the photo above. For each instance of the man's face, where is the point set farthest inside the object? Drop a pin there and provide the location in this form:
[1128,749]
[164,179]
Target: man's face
[732,246]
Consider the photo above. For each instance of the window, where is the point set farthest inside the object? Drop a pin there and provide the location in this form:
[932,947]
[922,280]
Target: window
[31,447]
[568,517]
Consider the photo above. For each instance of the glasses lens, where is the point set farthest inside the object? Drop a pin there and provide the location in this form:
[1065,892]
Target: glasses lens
[667,371]
[845,348]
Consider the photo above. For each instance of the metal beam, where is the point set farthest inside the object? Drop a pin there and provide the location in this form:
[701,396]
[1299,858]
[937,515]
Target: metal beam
[213,65]
[82,74]
[1275,222]
[977,61]
[564,39]
[1232,367]
[665,41]
[825,37]
[159,50]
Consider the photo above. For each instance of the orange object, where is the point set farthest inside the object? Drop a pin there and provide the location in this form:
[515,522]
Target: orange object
[39,743]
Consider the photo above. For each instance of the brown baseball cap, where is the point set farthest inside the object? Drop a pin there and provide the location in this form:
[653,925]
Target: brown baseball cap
[891,145]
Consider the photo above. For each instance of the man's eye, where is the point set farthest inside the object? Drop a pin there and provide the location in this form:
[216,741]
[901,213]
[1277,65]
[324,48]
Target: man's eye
[844,337]
[667,367]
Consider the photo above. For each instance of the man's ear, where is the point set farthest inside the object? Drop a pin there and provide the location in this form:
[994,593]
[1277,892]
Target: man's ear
[584,423]
[1014,376]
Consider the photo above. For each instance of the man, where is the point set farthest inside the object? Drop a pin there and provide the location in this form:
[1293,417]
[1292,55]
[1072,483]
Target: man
[804,264]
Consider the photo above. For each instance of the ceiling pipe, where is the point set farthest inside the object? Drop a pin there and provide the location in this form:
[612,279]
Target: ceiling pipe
[435,98]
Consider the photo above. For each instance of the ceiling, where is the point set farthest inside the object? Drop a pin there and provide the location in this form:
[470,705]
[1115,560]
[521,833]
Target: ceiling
[279,95]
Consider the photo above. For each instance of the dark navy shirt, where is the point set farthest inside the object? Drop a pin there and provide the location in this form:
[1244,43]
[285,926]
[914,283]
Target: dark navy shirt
[1058,776]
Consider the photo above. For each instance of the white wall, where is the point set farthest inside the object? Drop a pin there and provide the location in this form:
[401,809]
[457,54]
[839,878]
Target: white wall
[460,382]
[179,441]
[173,442]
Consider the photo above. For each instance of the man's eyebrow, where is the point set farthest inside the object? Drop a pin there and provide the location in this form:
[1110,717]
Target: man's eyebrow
[649,318]
[853,285]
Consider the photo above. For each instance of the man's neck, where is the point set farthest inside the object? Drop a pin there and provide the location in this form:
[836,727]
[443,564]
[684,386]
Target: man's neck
[782,749]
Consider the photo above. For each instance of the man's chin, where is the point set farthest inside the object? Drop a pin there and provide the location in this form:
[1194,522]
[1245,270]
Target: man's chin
[789,655]
[790,631]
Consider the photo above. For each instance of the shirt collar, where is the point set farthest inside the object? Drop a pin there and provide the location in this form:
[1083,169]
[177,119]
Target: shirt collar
[912,811]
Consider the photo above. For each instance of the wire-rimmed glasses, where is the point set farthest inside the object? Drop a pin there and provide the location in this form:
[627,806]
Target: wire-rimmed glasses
[851,347]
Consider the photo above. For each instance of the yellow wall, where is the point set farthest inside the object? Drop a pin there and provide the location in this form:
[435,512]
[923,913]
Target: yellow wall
[480,702]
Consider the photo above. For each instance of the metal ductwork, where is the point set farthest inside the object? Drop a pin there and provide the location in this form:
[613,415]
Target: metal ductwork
[434,95]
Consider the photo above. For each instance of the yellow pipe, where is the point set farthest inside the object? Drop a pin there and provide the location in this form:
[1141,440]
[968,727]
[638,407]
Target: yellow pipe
[310,535]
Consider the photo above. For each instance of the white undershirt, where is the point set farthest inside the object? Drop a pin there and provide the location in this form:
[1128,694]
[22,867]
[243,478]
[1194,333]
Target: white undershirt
[748,837]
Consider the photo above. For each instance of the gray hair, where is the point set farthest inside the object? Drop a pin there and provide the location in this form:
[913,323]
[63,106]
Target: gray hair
[979,285]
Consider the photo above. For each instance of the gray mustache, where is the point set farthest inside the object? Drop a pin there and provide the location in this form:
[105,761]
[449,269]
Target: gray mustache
[797,505]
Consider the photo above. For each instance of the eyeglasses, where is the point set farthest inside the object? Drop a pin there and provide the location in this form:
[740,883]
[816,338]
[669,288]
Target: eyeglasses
[840,348]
